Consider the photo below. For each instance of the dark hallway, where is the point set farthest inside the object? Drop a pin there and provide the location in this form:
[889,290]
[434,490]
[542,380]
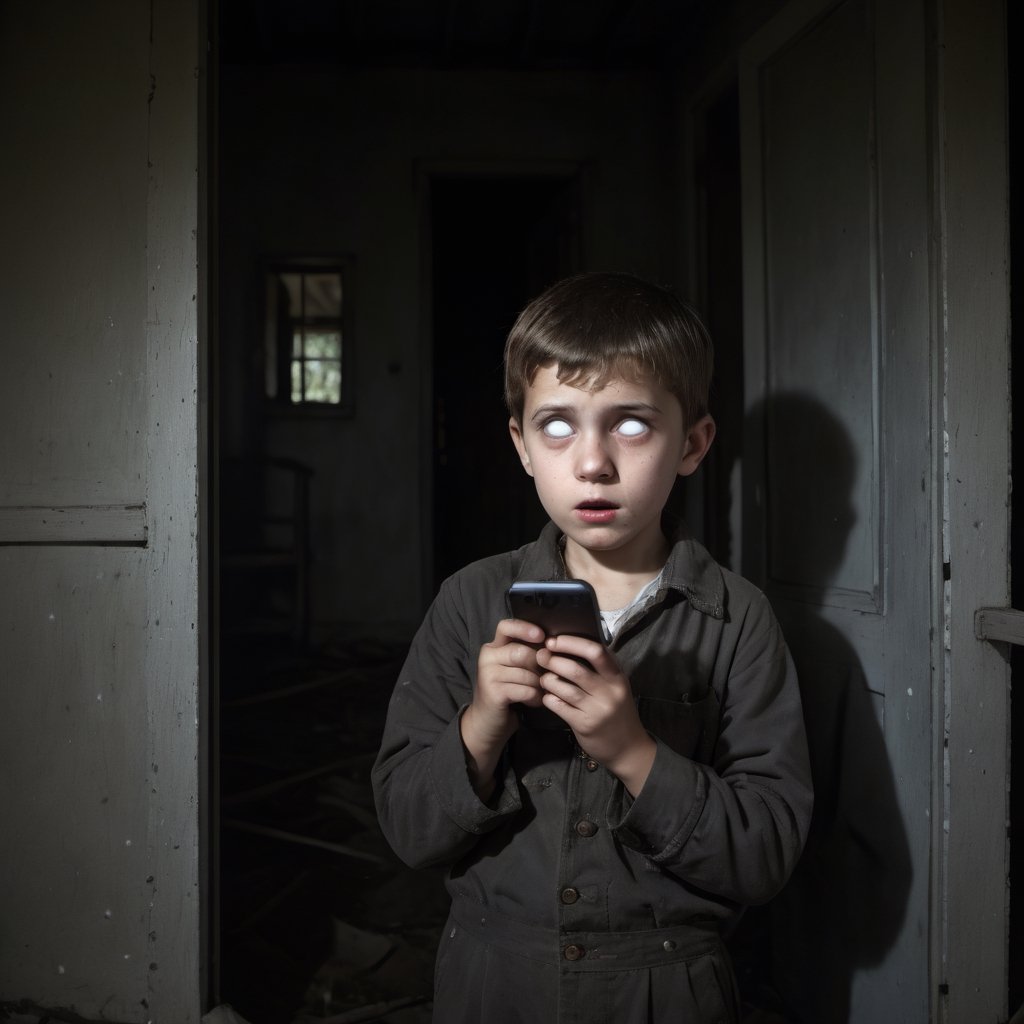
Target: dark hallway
[454,164]
[537,144]
[263,256]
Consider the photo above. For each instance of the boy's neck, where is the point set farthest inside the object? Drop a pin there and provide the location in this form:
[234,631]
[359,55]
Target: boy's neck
[617,576]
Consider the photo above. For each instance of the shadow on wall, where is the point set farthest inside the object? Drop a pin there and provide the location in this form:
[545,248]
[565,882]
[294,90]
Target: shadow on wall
[845,904]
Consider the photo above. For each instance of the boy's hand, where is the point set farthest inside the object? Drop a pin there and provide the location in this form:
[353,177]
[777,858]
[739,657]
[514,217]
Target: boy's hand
[596,701]
[507,674]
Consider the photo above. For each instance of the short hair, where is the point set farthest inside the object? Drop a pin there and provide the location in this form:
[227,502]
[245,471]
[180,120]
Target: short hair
[601,325]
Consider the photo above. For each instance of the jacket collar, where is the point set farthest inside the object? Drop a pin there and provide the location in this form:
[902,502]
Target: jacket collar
[690,569]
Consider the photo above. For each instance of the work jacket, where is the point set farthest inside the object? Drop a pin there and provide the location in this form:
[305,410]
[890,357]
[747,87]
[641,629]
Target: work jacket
[561,846]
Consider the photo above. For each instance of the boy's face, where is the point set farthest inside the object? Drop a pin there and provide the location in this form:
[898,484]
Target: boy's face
[604,461]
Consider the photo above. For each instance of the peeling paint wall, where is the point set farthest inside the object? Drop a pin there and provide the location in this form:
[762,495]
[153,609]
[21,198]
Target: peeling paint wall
[99,668]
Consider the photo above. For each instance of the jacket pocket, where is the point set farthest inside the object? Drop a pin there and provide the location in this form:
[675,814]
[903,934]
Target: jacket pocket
[689,727]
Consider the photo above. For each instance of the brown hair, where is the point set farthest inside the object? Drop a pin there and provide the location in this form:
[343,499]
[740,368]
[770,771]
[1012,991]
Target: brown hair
[597,326]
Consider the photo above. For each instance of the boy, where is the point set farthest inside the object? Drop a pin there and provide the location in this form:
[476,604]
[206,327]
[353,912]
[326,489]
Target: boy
[604,812]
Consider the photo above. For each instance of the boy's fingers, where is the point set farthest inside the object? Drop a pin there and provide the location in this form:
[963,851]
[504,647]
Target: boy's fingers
[556,684]
[512,630]
[523,678]
[533,697]
[579,664]
[521,691]
[510,655]
[570,669]
[579,646]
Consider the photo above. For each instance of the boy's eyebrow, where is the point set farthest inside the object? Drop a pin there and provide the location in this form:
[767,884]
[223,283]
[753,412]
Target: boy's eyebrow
[565,408]
[550,409]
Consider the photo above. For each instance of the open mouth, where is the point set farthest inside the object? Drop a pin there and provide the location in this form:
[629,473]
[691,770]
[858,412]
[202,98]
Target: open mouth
[596,510]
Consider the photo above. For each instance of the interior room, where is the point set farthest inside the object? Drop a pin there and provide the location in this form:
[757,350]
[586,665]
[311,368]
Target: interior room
[448,161]
[266,254]
[445,163]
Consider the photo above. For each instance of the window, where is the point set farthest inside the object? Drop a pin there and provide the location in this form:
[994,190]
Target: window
[308,342]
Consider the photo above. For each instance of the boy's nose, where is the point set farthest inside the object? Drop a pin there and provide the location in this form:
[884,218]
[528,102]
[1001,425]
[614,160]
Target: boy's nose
[593,461]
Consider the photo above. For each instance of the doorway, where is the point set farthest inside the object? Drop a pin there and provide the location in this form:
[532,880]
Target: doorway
[497,242]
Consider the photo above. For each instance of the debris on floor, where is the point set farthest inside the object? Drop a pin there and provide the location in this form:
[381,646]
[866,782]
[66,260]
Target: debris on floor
[320,922]
[223,1014]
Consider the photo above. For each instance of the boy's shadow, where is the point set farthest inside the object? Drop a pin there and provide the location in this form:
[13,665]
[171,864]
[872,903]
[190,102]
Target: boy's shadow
[845,904]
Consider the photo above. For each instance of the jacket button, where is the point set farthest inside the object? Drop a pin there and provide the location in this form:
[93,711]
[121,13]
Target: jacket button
[569,895]
[591,765]
[586,828]
[668,945]
[573,952]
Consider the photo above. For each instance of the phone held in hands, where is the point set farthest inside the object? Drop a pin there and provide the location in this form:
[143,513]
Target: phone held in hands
[558,607]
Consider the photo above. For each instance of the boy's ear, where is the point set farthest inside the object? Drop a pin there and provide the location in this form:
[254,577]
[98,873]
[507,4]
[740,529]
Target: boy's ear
[698,441]
[517,439]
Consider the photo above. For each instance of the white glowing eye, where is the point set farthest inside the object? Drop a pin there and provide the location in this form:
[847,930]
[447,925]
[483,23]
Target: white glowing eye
[557,428]
[632,428]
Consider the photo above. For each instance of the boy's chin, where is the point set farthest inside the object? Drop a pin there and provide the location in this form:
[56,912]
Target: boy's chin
[596,538]
[607,540]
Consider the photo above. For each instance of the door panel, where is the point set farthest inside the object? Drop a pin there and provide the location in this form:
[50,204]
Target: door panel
[79,221]
[99,510]
[72,789]
[822,312]
[838,479]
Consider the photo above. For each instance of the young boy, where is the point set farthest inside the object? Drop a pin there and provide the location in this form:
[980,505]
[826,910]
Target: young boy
[605,812]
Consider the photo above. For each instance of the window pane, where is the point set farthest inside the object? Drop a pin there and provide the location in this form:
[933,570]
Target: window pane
[332,379]
[323,344]
[323,381]
[323,295]
[304,340]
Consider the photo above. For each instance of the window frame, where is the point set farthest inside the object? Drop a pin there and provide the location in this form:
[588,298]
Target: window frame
[277,357]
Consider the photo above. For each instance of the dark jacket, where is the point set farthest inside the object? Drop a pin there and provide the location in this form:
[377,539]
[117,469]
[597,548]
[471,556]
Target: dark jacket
[722,817]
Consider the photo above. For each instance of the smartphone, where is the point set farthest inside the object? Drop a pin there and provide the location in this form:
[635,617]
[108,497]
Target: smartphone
[558,606]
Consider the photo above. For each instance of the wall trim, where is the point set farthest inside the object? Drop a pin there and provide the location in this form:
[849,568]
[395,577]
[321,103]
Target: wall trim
[111,525]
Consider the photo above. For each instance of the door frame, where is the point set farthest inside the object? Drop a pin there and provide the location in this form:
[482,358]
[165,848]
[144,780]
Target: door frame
[970,262]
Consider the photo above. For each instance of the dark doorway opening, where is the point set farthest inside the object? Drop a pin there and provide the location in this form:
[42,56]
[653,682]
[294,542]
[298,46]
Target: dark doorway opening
[496,243]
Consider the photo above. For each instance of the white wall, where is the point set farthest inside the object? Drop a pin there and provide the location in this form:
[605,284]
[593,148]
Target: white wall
[325,161]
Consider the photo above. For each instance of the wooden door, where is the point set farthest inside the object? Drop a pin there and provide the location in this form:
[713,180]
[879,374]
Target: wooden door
[839,520]
[99,530]
[876,488]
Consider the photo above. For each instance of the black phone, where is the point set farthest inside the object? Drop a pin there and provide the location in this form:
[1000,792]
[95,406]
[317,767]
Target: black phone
[558,606]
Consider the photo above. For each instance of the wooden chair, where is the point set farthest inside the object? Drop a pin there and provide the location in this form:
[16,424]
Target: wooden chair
[264,545]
